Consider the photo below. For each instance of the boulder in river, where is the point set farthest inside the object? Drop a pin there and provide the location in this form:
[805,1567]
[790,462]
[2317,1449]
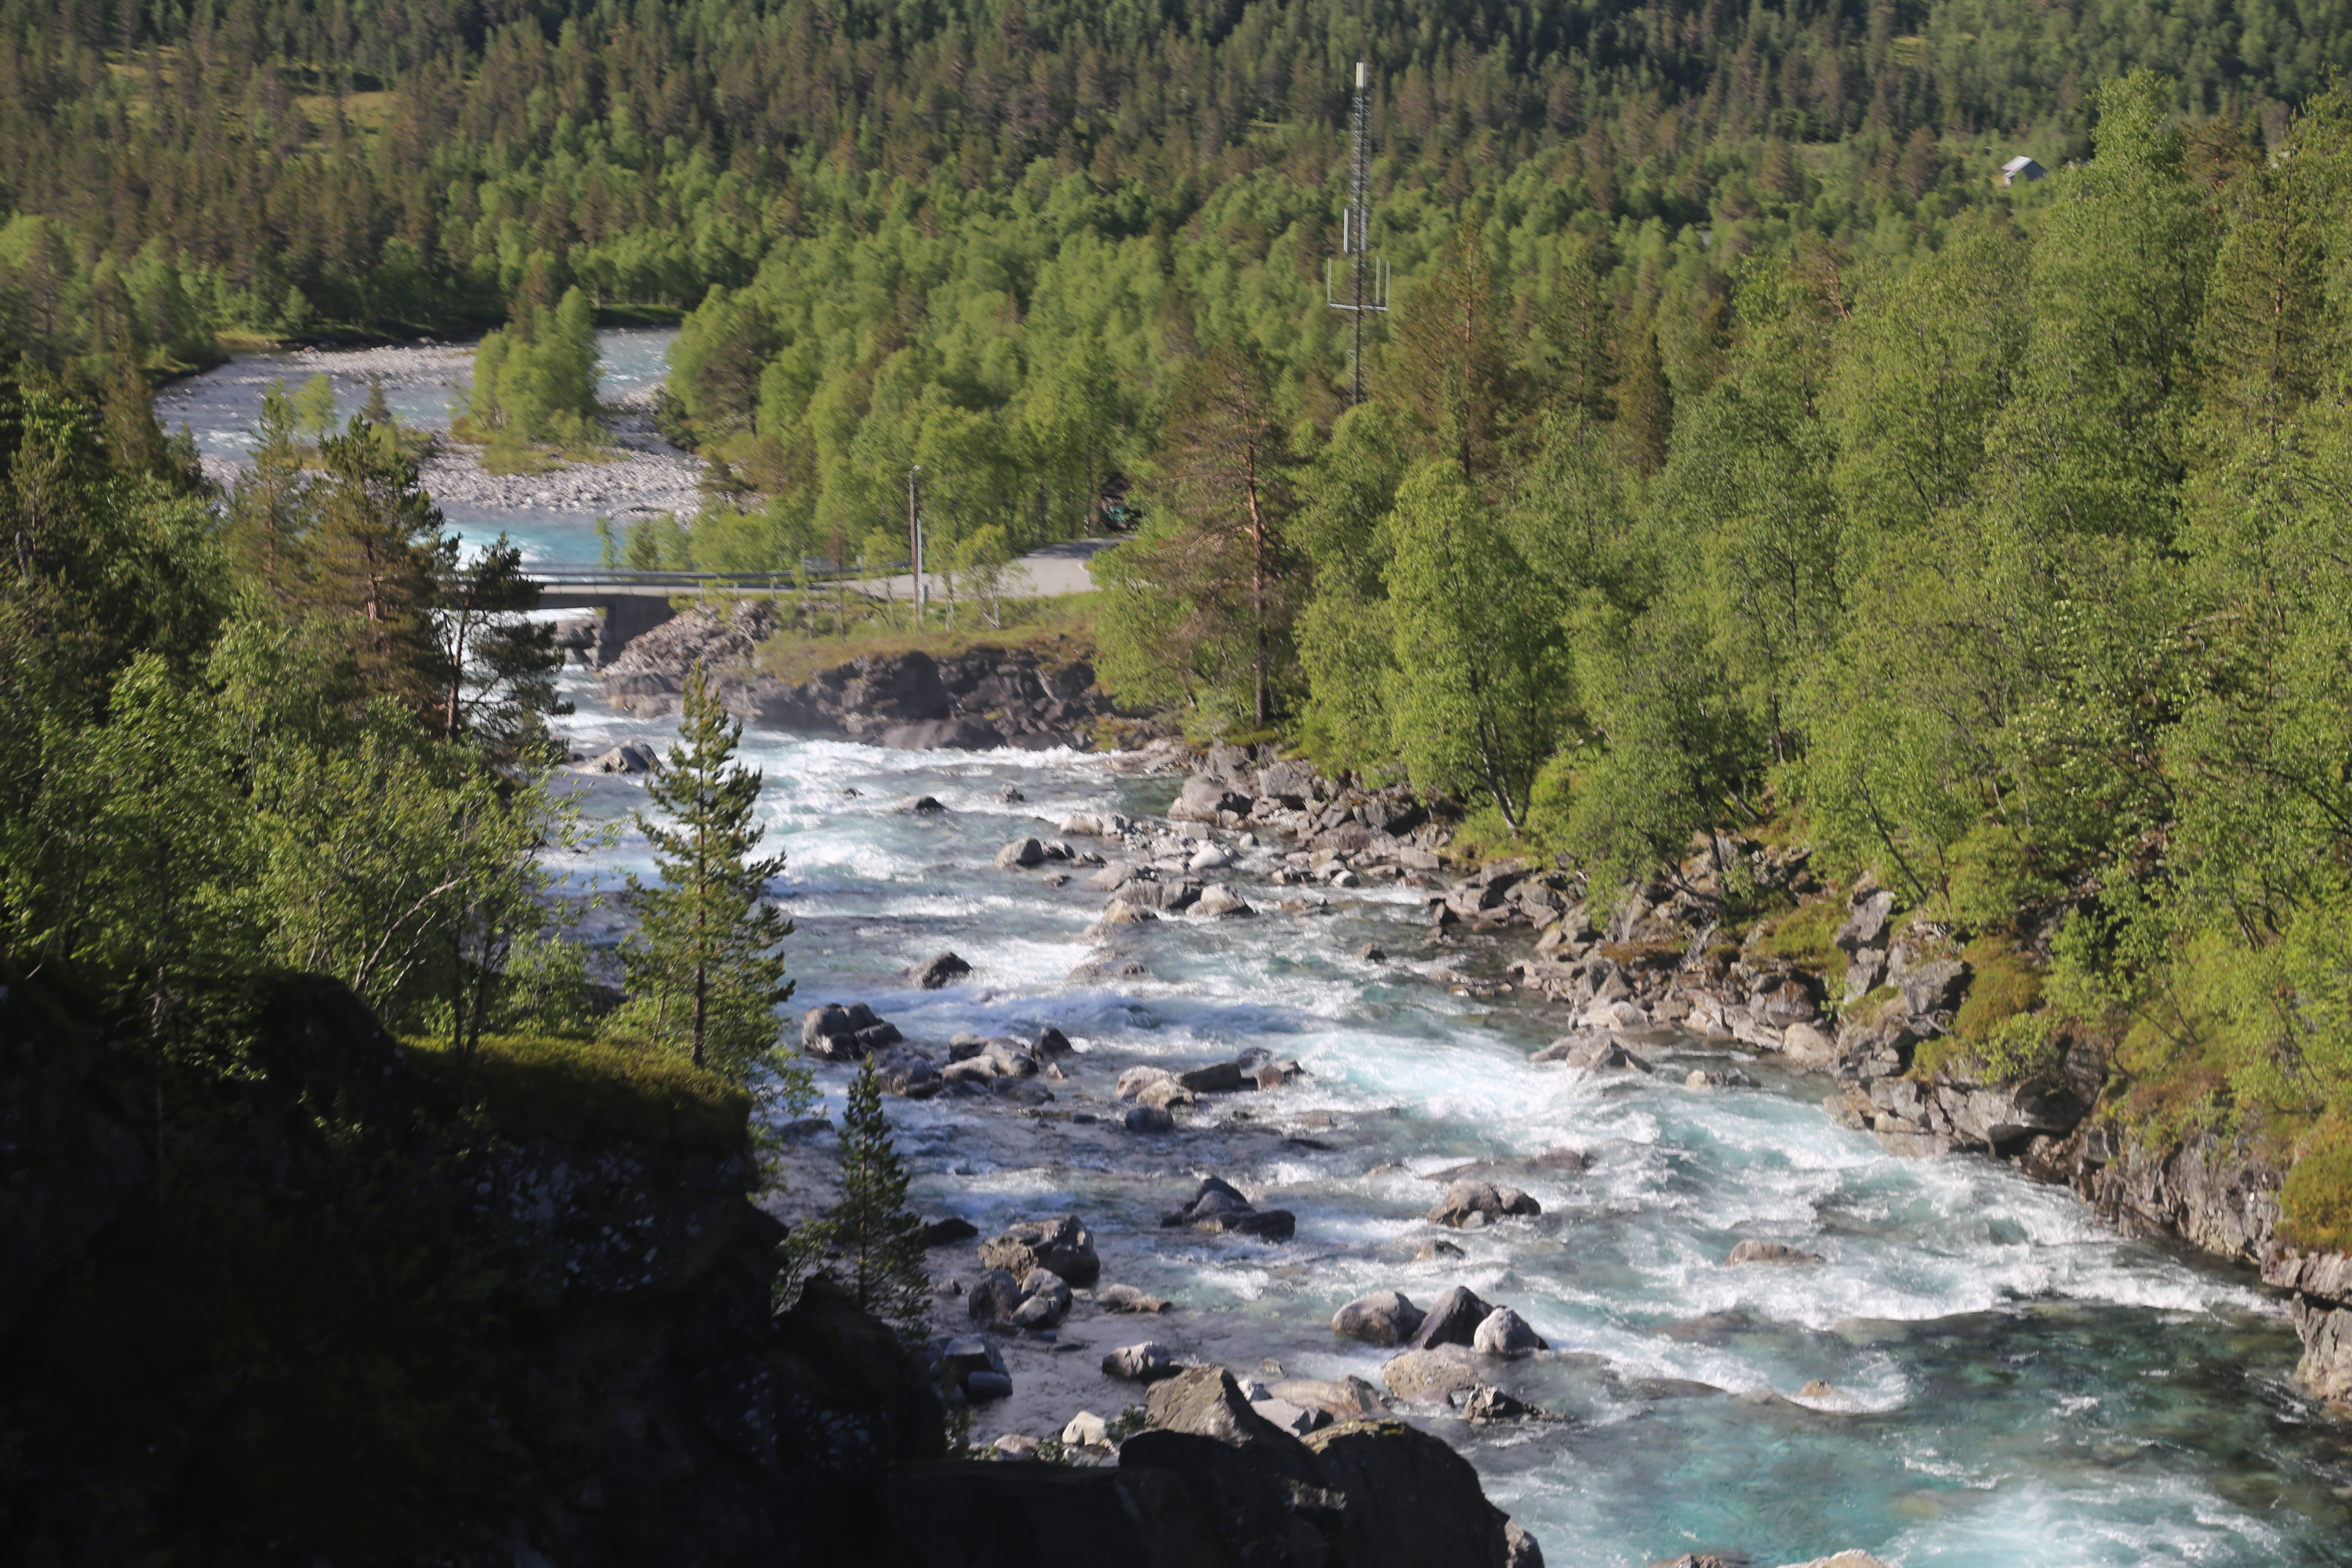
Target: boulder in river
[849,1033]
[934,973]
[1127,1298]
[1468,1205]
[1037,1300]
[1148,1119]
[1218,901]
[1505,1332]
[1429,1376]
[1218,1207]
[629,757]
[1217,1078]
[1755,1251]
[1382,1318]
[1020,854]
[904,1070]
[1341,1398]
[1147,1362]
[1592,1053]
[966,1357]
[1453,1319]
[1152,1085]
[1062,1244]
[1486,1404]
[949,1231]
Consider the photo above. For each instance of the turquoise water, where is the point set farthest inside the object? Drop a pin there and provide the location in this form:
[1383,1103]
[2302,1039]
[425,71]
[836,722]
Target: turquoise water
[2012,1382]
[2009,1383]
[423,385]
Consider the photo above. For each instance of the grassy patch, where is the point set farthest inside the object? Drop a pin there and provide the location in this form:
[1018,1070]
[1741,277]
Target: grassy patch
[2315,1204]
[1057,630]
[2002,985]
[575,1089]
[1806,935]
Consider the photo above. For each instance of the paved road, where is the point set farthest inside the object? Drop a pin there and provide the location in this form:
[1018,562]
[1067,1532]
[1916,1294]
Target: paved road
[1042,573]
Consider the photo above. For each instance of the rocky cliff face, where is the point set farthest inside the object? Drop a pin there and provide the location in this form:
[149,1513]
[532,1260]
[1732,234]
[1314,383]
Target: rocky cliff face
[979,699]
[599,1378]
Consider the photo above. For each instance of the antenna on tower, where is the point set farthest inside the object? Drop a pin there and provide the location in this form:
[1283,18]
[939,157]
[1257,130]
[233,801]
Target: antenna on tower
[1368,276]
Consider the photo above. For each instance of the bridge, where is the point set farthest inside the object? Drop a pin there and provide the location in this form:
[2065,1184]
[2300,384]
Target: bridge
[635,601]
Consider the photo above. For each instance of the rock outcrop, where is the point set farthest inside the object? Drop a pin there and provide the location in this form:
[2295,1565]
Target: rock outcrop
[978,701]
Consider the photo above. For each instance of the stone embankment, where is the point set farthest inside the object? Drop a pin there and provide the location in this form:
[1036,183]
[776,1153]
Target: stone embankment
[981,700]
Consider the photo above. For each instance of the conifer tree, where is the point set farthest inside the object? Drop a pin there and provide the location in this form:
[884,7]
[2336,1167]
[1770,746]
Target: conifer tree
[880,1242]
[704,970]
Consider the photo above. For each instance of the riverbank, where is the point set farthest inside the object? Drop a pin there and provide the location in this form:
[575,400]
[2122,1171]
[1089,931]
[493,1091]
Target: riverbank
[550,514]
[1783,1408]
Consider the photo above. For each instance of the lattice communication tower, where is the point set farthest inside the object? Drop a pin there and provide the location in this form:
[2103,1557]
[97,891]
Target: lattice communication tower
[1368,276]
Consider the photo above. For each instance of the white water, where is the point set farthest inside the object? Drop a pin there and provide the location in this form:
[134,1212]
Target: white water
[2016,1385]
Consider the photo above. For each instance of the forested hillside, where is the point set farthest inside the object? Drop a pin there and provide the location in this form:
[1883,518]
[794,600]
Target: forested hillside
[1739,449]
[279,166]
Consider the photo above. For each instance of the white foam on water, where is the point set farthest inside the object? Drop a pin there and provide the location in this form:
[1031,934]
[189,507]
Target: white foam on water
[1411,1080]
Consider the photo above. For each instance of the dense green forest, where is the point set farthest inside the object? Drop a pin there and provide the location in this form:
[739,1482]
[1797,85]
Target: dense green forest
[2015,572]
[1740,450]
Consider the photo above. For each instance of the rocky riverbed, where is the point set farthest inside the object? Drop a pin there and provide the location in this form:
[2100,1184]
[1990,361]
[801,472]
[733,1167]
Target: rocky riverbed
[550,514]
[1320,1089]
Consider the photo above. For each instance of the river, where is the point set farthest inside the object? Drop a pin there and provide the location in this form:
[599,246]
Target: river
[2008,1382]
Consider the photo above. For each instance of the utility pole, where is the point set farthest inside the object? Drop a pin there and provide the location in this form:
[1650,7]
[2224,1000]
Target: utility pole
[914,539]
[1368,277]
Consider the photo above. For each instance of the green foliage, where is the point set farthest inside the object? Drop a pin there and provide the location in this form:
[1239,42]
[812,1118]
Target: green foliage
[1806,935]
[703,973]
[536,380]
[314,407]
[1472,697]
[533,1085]
[1205,593]
[2315,1201]
[881,1241]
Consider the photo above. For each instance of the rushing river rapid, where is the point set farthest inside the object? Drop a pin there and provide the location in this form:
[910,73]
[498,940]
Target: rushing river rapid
[1995,1378]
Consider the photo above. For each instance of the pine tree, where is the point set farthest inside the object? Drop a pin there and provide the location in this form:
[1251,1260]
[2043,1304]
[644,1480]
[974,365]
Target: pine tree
[880,1242]
[704,970]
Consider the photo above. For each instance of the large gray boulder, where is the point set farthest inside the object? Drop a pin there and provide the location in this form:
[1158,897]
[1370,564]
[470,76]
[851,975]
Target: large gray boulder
[1382,1318]
[1468,1205]
[1061,1244]
[1204,798]
[1755,1251]
[1934,987]
[1218,1207]
[1146,1363]
[904,1070]
[1020,854]
[1430,1376]
[1453,1320]
[850,1034]
[1505,1332]
[934,973]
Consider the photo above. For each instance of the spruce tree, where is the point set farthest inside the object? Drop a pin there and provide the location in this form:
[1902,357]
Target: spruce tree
[704,970]
[881,1241]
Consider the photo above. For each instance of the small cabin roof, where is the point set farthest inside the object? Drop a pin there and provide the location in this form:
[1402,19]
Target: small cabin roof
[2019,165]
